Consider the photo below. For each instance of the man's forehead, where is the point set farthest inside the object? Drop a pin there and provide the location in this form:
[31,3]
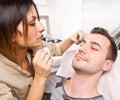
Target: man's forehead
[95,36]
[101,39]
[90,36]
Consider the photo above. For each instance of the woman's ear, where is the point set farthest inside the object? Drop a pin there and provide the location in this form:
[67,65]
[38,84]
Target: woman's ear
[108,65]
[13,38]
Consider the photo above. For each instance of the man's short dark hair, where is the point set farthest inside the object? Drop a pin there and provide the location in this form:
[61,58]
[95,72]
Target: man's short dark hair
[112,51]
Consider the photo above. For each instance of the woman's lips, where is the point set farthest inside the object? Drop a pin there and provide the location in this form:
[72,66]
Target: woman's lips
[40,38]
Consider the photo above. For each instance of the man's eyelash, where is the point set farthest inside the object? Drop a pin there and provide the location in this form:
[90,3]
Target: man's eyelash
[94,48]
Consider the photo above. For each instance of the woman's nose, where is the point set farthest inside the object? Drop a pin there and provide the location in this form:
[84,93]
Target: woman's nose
[41,28]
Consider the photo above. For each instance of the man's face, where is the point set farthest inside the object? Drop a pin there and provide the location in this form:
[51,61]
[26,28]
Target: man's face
[91,55]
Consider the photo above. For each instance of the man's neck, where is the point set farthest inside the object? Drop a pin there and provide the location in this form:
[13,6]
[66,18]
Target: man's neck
[81,86]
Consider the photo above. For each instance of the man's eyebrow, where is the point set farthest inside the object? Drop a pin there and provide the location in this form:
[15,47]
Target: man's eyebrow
[82,40]
[96,44]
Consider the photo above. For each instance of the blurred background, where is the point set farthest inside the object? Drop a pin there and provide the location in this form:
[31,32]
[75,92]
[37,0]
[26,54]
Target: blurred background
[64,17]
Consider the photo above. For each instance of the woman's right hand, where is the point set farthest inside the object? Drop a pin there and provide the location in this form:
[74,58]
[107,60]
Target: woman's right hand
[42,63]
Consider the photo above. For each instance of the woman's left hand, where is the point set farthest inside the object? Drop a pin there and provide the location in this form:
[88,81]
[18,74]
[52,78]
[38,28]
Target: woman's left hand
[77,37]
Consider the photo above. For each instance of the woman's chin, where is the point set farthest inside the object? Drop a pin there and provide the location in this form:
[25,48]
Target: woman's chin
[37,45]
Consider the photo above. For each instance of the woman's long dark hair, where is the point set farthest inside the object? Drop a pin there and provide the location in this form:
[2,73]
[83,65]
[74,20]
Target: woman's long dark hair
[12,12]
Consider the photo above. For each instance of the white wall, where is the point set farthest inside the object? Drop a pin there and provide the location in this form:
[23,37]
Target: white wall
[71,17]
[68,16]
[64,16]
[103,13]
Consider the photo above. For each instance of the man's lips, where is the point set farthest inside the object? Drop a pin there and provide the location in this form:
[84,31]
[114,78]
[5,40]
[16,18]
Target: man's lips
[79,57]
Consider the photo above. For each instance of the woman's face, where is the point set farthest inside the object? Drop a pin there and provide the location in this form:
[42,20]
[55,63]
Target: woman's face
[34,34]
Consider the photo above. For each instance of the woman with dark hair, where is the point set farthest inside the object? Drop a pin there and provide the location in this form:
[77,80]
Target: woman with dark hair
[24,65]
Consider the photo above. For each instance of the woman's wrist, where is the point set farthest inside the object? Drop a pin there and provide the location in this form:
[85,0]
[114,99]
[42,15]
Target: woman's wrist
[39,79]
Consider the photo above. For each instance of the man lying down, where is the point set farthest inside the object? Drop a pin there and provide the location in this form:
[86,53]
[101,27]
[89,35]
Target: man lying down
[109,83]
[95,55]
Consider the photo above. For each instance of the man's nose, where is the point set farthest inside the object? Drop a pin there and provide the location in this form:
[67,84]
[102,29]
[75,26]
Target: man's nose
[83,48]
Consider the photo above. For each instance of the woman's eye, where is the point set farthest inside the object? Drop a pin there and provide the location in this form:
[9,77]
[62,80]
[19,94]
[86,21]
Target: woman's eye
[32,24]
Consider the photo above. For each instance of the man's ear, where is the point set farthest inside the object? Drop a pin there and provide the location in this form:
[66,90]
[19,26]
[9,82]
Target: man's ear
[108,65]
